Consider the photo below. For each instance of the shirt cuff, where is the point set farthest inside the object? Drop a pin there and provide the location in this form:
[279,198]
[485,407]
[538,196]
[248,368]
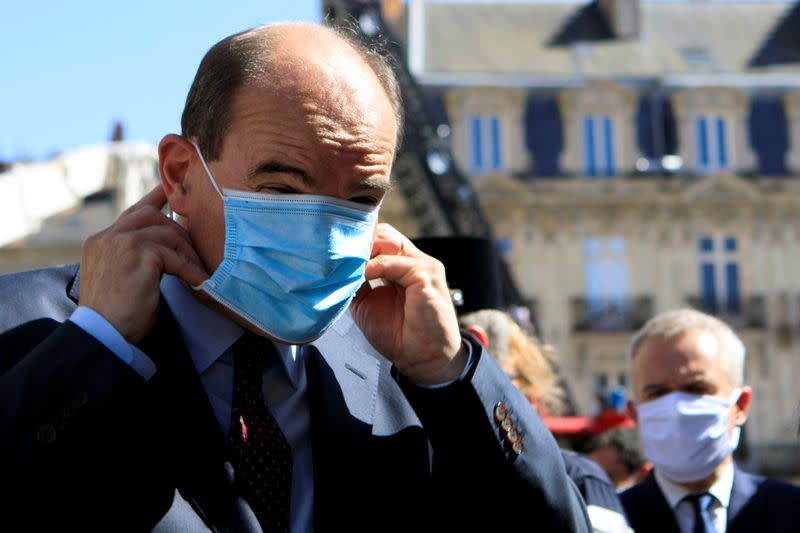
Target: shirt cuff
[101,329]
[467,367]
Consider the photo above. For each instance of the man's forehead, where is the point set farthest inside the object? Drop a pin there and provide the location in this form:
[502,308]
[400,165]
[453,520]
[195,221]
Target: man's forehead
[692,353]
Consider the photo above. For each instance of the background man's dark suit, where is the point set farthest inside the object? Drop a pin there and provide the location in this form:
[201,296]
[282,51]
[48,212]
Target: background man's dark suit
[757,504]
[87,442]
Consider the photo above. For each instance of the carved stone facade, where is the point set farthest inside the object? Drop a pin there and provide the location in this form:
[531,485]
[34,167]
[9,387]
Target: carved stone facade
[598,99]
[719,107]
[507,105]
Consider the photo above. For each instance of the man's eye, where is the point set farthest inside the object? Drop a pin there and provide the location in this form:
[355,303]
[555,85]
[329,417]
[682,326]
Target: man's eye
[276,189]
[366,200]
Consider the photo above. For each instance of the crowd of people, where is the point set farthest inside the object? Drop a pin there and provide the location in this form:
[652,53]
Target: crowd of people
[248,348]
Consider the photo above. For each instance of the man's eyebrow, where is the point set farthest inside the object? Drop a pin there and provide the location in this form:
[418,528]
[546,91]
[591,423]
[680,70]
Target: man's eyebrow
[654,387]
[374,185]
[271,167]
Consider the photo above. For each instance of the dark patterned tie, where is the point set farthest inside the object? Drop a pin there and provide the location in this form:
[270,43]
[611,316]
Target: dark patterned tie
[260,454]
[702,517]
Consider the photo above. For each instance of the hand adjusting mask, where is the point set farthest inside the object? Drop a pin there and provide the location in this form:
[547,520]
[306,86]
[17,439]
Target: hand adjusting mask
[293,262]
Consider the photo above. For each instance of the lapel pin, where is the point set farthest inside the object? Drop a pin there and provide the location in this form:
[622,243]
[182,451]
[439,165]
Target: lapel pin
[244,428]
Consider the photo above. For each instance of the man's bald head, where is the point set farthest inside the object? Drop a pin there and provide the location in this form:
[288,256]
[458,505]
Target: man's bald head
[288,58]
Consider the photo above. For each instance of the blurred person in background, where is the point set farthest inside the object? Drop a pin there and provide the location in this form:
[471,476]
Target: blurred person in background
[690,403]
[619,452]
[530,369]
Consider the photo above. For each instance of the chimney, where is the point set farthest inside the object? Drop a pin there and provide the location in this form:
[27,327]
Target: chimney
[118,132]
[622,17]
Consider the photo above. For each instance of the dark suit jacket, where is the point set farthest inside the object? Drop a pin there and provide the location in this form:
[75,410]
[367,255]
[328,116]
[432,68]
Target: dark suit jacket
[86,442]
[757,504]
[592,481]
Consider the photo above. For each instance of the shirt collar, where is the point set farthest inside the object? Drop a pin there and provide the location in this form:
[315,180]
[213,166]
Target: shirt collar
[721,489]
[209,334]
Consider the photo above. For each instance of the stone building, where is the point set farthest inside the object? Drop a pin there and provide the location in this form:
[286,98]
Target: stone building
[633,157]
[48,208]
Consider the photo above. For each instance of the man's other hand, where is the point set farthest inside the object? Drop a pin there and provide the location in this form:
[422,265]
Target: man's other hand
[410,318]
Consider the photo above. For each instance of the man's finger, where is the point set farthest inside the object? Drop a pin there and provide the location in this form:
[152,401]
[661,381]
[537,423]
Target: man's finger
[404,271]
[175,262]
[389,241]
[157,198]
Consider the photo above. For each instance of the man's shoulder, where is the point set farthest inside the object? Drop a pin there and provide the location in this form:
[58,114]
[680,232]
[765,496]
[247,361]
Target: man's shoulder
[34,294]
[642,490]
[61,273]
[768,486]
[580,466]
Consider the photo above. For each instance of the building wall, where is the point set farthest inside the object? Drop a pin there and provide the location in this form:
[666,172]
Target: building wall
[661,218]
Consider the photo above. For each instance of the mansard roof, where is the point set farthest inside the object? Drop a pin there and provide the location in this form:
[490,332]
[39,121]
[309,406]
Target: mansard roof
[518,40]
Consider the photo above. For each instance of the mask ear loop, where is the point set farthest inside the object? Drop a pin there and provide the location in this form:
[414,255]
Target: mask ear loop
[208,170]
[214,184]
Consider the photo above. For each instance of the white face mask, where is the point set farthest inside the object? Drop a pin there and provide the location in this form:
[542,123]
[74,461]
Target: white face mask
[685,436]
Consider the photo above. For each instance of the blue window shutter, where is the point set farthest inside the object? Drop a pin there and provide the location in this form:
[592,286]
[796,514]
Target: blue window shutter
[477,146]
[544,134]
[608,131]
[768,131]
[732,296]
[588,146]
[702,143]
[730,244]
[706,244]
[645,127]
[723,157]
[709,287]
[495,127]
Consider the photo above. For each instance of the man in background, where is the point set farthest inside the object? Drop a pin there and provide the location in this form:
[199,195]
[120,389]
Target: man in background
[690,402]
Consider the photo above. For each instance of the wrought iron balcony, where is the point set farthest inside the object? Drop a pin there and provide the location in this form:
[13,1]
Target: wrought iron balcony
[610,315]
[740,313]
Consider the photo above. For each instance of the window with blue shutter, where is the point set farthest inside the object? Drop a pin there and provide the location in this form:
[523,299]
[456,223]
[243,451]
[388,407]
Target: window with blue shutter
[485,143]
[476,147]
[719,274]
[711,143]
[598,146]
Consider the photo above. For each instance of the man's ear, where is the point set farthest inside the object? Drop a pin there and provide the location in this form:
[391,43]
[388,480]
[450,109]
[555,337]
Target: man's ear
[632,411]
[174,157]
[479,334]
[742,408]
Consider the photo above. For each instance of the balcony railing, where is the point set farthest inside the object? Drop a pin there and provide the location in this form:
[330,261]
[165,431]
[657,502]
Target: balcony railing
[748,313]
[611,315]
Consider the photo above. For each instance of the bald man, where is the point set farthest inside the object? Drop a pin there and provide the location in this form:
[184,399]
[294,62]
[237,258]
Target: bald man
[268,356]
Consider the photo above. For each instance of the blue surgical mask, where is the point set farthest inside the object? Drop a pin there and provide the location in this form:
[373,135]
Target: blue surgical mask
[293,262]
[686,436]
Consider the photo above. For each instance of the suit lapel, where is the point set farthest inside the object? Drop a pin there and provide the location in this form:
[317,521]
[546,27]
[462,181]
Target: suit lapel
[183,420]
[368,443]
[657,512]
[342,387]
[743,489]
[188,421]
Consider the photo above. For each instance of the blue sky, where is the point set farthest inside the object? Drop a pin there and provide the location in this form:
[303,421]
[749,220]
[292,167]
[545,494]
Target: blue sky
[70,69]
